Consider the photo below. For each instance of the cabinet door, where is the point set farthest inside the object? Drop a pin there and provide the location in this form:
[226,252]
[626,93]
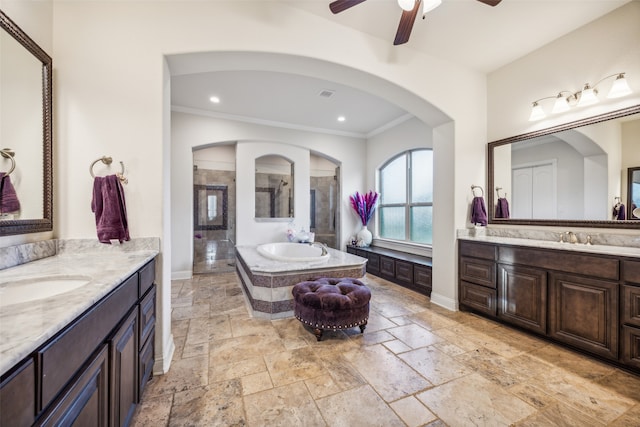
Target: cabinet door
[404,272]
[630,346]
[630,305]
[145,370]
[373,265]
[18,396]
[422,278]
[522,297]
[86,400]
[124,370]
[387,267]
[583,312]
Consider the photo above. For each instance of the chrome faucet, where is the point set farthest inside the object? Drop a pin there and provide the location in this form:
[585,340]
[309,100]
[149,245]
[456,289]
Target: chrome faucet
[321,246]
[571,237]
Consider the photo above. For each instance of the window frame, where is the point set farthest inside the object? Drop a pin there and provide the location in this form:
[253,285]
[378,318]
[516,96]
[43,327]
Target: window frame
[408,204]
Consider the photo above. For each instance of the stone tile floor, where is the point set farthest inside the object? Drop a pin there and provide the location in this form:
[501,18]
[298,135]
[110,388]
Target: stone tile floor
[415,365]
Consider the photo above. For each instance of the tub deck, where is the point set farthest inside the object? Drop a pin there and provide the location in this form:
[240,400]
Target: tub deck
[267,283]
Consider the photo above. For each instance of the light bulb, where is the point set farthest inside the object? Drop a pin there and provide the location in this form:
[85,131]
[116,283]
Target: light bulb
[587,96]
[407,5]
[619,88]
[537,112]
[561,105]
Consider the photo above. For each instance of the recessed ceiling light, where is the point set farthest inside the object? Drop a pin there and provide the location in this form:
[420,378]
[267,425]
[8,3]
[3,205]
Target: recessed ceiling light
[341,118]
[214,99]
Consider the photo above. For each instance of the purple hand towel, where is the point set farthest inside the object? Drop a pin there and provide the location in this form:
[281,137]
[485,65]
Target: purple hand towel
[502,208]
[478,211]
[110,209]
[622,213]
[8,198]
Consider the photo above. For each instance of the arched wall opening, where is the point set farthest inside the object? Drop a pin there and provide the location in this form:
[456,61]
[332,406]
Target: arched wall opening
[191,130]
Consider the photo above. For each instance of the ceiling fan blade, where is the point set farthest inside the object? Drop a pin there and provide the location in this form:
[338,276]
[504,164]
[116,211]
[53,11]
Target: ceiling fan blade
[340,5]
[490,2]
[406,24]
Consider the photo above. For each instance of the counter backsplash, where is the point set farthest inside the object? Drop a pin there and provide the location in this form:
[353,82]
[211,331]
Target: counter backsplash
[597,237]
[12,256]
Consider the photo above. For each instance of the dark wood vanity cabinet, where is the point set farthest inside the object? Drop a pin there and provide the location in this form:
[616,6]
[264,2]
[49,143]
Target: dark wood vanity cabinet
[630,314]
[587,301]
[408,270]
[91,373]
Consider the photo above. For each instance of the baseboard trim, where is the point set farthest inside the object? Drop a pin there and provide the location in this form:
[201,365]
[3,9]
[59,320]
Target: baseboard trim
[445,302]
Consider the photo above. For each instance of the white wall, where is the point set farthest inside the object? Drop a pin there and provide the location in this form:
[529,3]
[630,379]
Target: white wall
[606,46]
[111,100]
[190,131]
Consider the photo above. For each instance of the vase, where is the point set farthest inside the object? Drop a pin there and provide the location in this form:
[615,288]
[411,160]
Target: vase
[364,236]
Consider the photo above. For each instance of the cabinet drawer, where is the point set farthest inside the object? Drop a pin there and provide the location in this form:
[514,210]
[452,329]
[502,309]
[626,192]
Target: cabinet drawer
[387,266]
[586,265]
[404,271]
[58,364]
[630,346]
[147,316]
[18,396]
[478,271]
[478,250]
[351,250]
[147,277]
[422,277]
[630,313]
[478,298]
[631,271]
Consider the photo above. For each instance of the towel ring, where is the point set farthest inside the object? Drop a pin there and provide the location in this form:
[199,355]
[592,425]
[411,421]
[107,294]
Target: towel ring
[498,191]
[107,161]
[8,153]
[473,187]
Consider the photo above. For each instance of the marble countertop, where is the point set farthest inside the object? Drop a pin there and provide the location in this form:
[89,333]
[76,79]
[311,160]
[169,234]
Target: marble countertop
[26,326]
[548,244]
[259,263]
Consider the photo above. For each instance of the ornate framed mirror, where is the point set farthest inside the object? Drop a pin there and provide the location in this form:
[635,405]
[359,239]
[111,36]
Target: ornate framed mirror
[26,130]
[568,175]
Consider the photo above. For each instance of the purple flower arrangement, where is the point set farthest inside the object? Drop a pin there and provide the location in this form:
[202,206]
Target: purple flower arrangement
[364,205]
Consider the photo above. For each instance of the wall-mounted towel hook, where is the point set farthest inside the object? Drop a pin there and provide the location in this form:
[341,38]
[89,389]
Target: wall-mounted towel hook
[473,187]
[498,193]
[107,161]
[8,153]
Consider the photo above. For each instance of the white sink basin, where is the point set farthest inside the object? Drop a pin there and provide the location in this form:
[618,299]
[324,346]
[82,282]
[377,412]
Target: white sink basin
[37,288]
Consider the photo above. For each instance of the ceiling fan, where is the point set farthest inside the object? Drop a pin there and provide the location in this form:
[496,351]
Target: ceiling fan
[410,10]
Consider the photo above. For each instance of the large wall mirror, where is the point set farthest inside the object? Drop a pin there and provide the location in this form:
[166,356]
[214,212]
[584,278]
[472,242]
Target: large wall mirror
[569,175]
[274,187]
[26,193]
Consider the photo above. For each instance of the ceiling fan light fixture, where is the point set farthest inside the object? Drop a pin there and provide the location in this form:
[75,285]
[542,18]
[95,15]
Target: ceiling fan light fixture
[429,5]
[407,5]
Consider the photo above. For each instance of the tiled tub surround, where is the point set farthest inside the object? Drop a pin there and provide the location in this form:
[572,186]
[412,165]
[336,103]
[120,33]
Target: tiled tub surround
[26,326]
[267,283]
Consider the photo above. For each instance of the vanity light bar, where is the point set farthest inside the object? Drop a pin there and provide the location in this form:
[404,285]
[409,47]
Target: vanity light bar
[587,96]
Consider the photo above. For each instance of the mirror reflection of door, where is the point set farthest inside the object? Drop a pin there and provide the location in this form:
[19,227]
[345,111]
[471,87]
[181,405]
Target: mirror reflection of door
[633,198]
[534,194]
[214,209]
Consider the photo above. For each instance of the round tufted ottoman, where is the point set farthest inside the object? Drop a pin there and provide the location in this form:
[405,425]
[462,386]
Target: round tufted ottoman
[331,304]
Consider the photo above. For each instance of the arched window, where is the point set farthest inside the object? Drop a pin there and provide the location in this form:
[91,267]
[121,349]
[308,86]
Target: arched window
[406,197]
